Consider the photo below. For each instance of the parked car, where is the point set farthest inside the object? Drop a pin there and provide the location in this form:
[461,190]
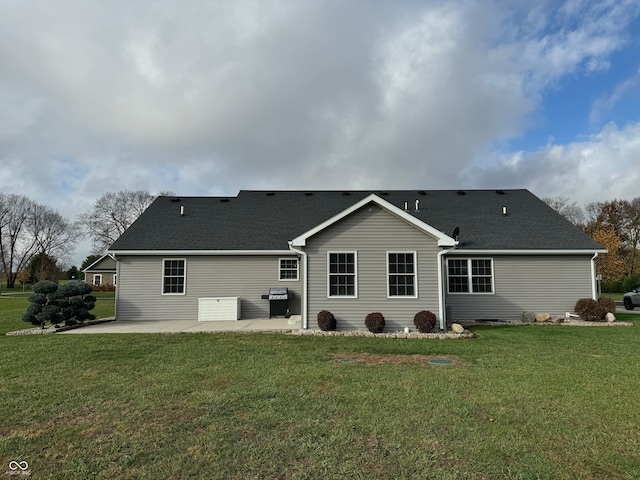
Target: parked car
[632,299]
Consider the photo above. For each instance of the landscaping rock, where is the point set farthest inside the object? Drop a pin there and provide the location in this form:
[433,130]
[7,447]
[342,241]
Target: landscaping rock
[557,319]
[542,317]
[610,317]
[457,328]
[528,317]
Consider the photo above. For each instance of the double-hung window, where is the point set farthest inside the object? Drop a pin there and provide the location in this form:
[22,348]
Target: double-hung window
[288,269]
[342,274]
[174,276]
[401,274]
[470,275]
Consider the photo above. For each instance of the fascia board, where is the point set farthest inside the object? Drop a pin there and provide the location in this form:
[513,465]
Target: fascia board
[443,240]
[461,251]
[200,252]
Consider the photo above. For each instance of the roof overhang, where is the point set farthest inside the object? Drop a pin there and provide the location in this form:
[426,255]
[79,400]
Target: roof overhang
[198,252]
[443,240]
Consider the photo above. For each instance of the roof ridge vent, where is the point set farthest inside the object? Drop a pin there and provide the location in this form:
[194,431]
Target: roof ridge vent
[499,192]
[461,192]
[270,194]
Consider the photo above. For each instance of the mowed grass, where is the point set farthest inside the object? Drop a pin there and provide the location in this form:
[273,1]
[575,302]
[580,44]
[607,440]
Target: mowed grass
[521,403]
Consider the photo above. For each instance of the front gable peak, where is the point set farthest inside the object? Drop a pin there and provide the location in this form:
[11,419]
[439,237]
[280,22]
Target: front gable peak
[443,240]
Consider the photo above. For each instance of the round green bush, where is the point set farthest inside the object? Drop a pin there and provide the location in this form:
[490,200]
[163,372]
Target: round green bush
[374,322]
[424,321]
[326,320]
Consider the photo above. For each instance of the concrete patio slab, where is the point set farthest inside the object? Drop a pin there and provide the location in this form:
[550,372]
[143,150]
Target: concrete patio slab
[187,326]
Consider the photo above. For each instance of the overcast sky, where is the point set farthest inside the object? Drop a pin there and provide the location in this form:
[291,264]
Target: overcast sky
[210,97]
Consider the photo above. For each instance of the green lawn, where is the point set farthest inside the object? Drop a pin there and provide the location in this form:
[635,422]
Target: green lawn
[521,403]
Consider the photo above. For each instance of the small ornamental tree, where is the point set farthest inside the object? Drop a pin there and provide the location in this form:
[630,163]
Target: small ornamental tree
[78,302]
[374,322]
[424,321]
[53,304]
[45,305]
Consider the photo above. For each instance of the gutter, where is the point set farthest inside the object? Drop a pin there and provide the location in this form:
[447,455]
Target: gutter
[305,306]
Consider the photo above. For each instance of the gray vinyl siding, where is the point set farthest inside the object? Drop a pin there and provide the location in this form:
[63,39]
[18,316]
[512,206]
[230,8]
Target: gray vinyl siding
[372,234]
[248,277]
[540,284]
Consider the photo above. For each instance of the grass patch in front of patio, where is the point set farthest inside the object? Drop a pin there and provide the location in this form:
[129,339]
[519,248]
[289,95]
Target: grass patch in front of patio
[525,402]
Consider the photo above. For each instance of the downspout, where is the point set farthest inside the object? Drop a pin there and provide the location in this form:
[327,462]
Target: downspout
[303,254]
[115,309]
[441,305]
[594,286]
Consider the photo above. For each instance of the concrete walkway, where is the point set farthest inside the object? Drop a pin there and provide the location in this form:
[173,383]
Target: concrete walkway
[187,326]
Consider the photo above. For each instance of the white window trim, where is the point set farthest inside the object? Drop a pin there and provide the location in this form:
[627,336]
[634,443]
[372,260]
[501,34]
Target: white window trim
[355,274]
[470,277]
[184,290]
[98,275]
[280,269]
[415,274]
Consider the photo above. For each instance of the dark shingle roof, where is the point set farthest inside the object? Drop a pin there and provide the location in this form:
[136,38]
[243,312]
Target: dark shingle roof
[261,220]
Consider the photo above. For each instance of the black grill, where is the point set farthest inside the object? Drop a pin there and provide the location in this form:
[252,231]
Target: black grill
[278,301]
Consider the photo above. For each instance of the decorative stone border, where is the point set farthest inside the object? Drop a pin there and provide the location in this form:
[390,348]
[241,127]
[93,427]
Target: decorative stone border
[365,333]
[52,329]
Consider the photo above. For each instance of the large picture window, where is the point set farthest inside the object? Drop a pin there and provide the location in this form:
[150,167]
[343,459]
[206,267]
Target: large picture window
[173,276]
[342,277]
[288,269]
[470,275]
[401,274]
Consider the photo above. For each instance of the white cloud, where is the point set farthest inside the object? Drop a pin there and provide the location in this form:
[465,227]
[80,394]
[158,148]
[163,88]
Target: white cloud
[207,97]
[601,167]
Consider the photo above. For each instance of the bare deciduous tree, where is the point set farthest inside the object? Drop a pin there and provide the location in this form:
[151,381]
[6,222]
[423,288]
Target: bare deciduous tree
[569,209]
[28,229]
[16,247]
[112,214]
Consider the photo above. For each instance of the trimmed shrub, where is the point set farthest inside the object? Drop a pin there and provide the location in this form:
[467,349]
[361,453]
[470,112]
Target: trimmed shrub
[608,304]
[104,288]
[424,321]
[326,320]
[374,322]
[69,303]
[590,310]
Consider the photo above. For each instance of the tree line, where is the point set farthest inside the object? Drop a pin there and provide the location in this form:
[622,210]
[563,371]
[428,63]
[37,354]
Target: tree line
[615,224]
[36,241]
